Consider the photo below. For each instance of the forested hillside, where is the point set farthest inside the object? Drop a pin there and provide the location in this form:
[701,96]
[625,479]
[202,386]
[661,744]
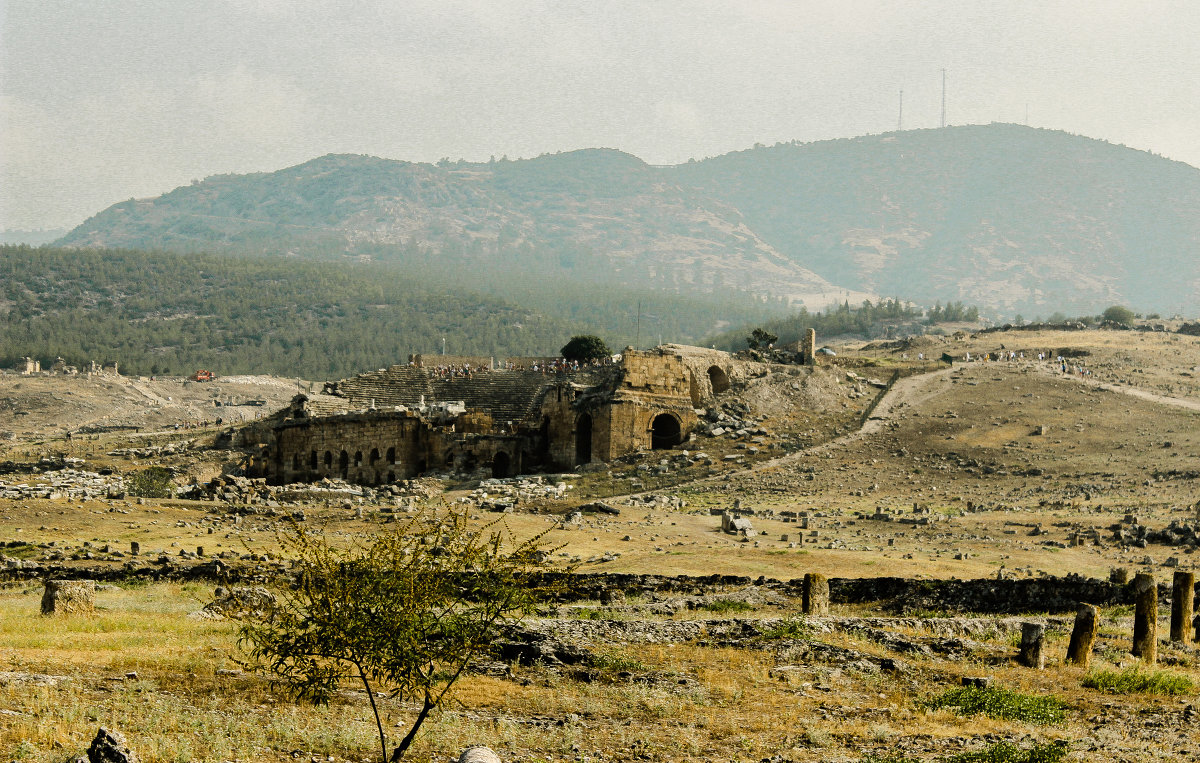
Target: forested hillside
[167,313]
[1006,217]
[161,313]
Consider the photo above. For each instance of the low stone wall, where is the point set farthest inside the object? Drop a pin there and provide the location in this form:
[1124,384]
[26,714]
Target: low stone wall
[1051,595]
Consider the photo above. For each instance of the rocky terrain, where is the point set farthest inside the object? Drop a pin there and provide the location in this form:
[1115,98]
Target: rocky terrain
[947,506]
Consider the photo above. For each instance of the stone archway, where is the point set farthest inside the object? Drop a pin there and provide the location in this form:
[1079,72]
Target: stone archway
[583,439]
[718,379]
[665,432]
[501,465]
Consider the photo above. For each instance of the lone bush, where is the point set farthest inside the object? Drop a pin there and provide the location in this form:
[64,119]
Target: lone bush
[1119,314]
[761,339]
[154,482]
[405,611]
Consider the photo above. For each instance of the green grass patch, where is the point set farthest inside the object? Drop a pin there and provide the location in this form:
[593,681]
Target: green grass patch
[1000,703]
[1001,752]
[611,661]
[21,550]
[1006,752]
[727,606]
[791,628]
[1137,681]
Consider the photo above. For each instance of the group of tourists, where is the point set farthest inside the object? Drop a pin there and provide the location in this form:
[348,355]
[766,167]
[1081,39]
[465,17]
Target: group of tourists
[1013,356]
[463,371]
[556,365]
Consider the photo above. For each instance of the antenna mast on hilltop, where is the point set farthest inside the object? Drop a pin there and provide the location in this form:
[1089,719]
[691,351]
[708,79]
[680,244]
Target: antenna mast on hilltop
[900,118]
[943,97]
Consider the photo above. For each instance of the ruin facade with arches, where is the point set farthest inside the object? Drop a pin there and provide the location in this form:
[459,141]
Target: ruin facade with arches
[408,420]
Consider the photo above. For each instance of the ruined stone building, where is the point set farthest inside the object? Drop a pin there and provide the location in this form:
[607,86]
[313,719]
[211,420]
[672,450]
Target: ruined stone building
[408,420]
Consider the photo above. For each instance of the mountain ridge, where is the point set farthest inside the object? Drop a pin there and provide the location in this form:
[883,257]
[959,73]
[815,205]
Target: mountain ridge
[1007,217]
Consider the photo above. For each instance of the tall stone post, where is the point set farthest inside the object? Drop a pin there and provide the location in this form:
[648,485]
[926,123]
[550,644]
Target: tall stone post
[1083,635]
[816,594]
[1183,594]
[809,347]
[1033,641]
[1145,618]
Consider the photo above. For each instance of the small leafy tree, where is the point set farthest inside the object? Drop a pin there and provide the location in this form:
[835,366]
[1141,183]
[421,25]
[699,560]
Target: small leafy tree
[760,339]
[585,347]
[1119,314]
[404,612]
[152,482]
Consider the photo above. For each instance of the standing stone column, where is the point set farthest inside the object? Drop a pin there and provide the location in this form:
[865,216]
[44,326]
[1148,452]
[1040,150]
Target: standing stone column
[1145,618]
[1033,641]
[1183,594]
[1083,635]
[816,594]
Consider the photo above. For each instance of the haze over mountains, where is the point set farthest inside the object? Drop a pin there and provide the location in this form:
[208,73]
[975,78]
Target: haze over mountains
[1009,218]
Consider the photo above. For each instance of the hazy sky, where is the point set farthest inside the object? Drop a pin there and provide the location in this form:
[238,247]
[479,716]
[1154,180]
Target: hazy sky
[103,100]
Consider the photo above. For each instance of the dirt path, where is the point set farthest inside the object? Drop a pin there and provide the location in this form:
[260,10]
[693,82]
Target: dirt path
[1153,397]
[909,391]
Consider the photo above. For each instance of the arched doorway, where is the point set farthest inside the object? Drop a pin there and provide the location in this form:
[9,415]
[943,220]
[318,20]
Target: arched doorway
[665,432]
[344,464]
[718,379]
[583,439]
[501,464]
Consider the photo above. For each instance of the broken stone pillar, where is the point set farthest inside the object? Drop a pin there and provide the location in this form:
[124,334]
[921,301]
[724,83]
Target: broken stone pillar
[1145,618]
[1183,594]
[135,548]
[66,597]
[1083,635]
[110,747]
[1033,641]
[816,594]
[809,347]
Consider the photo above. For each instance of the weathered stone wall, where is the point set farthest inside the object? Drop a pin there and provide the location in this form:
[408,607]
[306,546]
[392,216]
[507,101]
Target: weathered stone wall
[374,448]
[367,448]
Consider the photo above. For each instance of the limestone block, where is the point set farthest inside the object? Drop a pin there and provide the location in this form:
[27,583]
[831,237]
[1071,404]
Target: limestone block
[65,597]
[816,594]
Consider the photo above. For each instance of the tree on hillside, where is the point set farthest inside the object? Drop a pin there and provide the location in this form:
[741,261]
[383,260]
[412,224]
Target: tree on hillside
[1118,314]
[405,612]
[585,347]
[761,339]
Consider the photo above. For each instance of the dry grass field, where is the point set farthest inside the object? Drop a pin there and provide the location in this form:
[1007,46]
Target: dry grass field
[973,471]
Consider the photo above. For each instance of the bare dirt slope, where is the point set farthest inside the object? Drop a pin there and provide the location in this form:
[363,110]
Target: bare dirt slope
[48,406]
